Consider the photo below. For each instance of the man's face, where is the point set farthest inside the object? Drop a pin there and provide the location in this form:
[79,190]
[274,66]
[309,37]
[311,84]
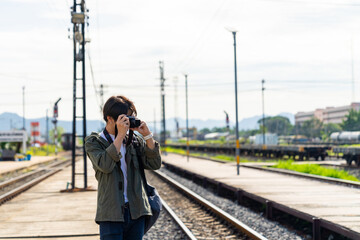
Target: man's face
[112,121]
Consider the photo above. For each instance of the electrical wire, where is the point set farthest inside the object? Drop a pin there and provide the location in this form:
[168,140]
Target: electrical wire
[198,43]
[93,78]
[314,2]
[30,78]
[50,91]
[55,10]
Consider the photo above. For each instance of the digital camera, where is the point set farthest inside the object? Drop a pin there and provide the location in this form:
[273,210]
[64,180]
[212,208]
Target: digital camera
[134,122]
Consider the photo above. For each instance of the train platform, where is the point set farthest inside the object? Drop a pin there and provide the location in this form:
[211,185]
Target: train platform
[334,203]
[44,212]
[10,166]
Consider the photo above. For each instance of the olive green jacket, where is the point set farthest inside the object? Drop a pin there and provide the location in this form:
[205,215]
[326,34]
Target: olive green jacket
[106,163]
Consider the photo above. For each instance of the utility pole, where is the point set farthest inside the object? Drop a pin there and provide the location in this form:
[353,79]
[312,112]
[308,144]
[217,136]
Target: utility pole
[263,128]
[237,150]
[176,108]
[155,133]
[162,81]
[187,119]
[47,132]
[352,70]
[79,20]
[102,103]
[23,92]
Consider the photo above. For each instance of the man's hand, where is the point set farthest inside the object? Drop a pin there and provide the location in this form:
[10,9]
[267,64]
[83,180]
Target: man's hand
[144,130]
[122,124]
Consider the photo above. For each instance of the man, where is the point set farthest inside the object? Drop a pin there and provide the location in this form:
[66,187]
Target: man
[122,200]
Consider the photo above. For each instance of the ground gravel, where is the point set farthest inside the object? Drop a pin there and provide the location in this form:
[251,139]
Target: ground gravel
[165,228]
[269,229]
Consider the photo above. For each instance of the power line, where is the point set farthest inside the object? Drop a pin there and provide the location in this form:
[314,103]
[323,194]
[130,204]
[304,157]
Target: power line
[29,78]
[195,48]
[93,78]
[312,2]
[53,8]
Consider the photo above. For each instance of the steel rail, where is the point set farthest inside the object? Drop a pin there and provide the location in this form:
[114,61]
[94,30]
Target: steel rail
[29,174]
[62,154]
[220,213]
[11,194]
[178,221]
[19,178]
[348,183]
[317,223]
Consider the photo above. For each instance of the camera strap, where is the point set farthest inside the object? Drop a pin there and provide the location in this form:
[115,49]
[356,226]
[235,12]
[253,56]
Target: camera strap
[109,139]
[107,135]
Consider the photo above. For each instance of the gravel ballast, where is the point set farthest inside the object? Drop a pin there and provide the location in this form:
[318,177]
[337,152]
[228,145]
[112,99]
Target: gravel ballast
[165,228]
[269,229]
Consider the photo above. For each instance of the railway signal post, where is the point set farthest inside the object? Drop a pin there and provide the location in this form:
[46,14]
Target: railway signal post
[56,114]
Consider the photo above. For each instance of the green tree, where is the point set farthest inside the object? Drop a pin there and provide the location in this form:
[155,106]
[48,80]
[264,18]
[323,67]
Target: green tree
[60,131]
[278,124]
[248,133]
[352,121]
[311,128]
[219,129]
[329,128]
[205,131]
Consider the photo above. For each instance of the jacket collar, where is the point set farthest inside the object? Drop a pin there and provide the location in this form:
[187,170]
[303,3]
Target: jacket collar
[105,142]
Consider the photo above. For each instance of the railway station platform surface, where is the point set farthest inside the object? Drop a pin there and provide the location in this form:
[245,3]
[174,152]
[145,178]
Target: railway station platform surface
[9,166]
[335,203]
[43,212]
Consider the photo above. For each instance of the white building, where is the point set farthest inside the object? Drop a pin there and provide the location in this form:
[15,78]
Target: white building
[327,115]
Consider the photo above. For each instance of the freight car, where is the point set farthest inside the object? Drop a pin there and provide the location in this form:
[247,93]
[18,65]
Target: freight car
[350,154]
[66,141]
[302,152]
[345,137]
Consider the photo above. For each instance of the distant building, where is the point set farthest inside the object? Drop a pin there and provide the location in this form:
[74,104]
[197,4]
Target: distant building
[327,115]
[215,135]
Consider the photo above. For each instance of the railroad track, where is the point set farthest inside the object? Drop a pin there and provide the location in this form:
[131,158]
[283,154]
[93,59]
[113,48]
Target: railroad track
[298,174]
[199,218]
[13,187]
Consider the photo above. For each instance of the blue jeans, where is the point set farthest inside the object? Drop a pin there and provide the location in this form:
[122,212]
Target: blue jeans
[127,230]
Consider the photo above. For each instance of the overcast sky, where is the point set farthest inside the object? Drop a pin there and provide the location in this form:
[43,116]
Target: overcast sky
[302,48]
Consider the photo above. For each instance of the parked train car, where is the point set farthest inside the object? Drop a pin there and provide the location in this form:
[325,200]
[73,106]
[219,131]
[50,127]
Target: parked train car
[301,152]
[345,137]
[350,154]
[66,141]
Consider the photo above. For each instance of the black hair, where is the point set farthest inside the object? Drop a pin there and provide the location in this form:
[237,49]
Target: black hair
[117,105]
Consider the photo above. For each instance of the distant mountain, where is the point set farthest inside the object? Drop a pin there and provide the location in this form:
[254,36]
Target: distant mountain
[13,121]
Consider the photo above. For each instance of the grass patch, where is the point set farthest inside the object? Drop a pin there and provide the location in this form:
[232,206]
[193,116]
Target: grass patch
[221,157]
[350,145]
[316,170]
[202,142]
[42,151]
